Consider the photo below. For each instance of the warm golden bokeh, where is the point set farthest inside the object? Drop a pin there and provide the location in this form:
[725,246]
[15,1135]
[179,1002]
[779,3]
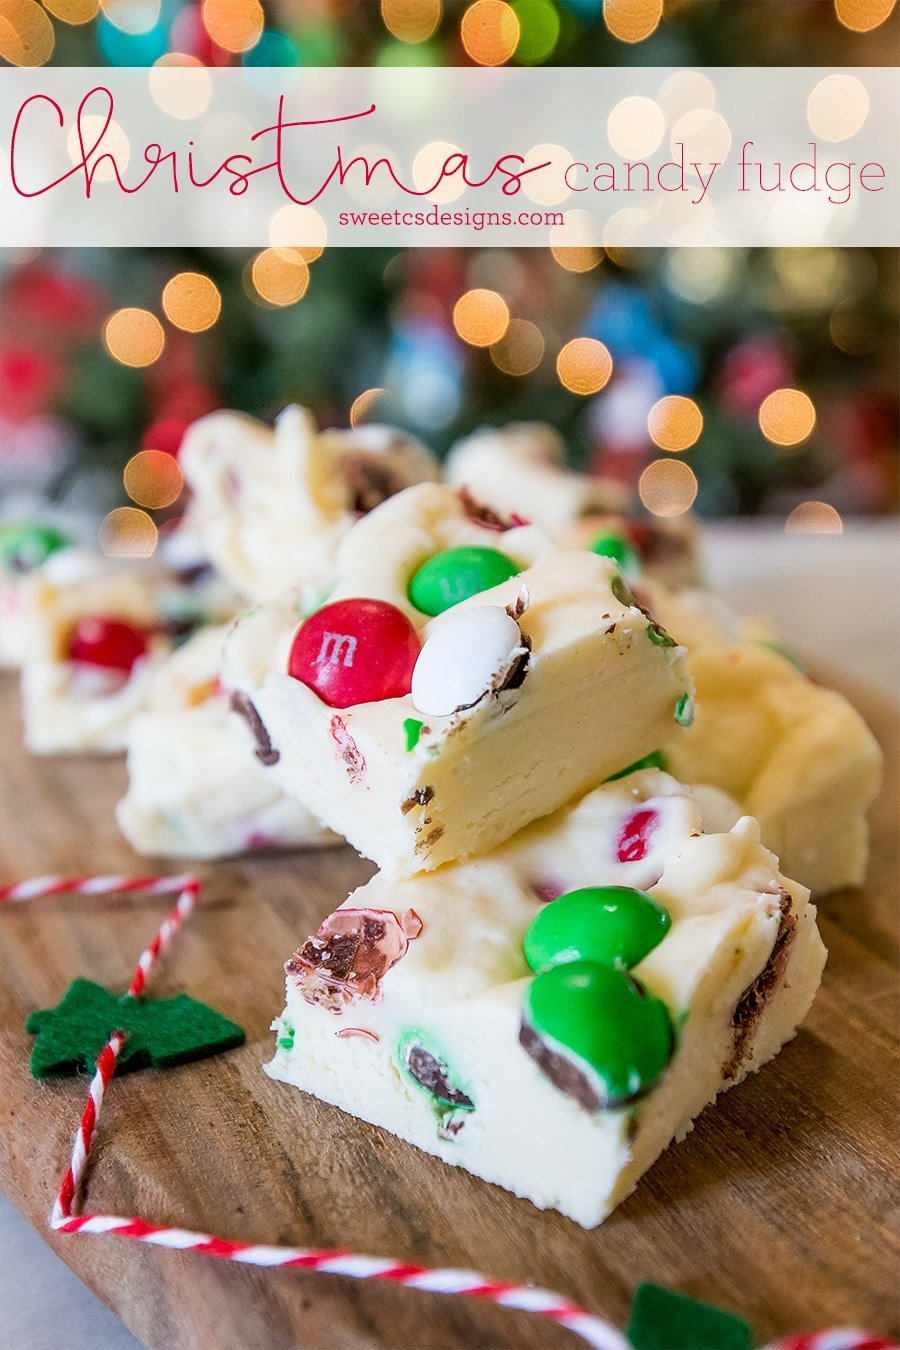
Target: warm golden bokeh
[570,246]
[113,148]
[279,279]
[427,169]
[236,25]
[635,127]
[74,12]
[134,337]
[814,518]
[632,20]
[411,20]
[675,423]
[26,34]
[191,301]
[787,416]
[863,15]
[298,232]
[837,107]
[481,317]
[128,533]
[364,404]
[153,479]
[667,487]
[520,350]
[584,365]
[489,32]
[180,85]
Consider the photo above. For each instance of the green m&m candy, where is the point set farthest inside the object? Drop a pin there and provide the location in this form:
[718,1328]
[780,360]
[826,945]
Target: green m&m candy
[655,760]
[452,576]
[615,547]
[596,1033]
[614,925]
[23,546]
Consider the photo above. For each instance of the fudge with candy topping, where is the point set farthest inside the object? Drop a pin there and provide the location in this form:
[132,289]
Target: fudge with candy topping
[552,1015]
[427,711]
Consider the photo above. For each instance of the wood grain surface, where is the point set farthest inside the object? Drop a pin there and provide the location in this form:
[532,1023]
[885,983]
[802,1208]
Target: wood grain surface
[778,1204]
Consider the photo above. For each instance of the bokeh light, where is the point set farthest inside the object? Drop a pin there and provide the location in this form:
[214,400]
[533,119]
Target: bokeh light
[684,91]
[364,405]
[278,278]
[814,518]
[134,337]
[584,365]
[112,141]
[411,20]
[675,423]
[180,85]
[127,532]
[571,244]
[426,171]
[635,127]
[134,17]
[632,20]
[26,34]
[668,487]
[153,479]
[538,30]
[236,25]
[191,301]
[74,12]
[861,16]
[489,32]
[787,417]
[705,135]
[547,186]
[298,232]
[837,107]
[521,348]
[481,317]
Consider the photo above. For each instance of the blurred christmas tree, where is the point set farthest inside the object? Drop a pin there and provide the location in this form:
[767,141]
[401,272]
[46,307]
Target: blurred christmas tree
[771,374]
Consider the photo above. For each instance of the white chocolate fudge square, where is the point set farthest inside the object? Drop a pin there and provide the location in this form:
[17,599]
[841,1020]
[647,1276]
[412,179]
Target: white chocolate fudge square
[199,786]
[271,506]
[69,707]
[796,756]
[588,685]
[413,1006]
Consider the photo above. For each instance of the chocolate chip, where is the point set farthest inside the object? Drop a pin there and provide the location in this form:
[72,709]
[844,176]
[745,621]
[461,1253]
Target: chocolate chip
[369,483]
[421,797]
[432,1075]
[485,515]
[752,1003]
[265,751]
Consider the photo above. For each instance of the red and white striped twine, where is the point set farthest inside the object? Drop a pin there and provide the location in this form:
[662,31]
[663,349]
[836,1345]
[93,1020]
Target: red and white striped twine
[542,1302]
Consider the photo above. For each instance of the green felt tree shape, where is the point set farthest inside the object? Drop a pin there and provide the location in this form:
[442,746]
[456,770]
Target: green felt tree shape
[663,1320]
[162,1032]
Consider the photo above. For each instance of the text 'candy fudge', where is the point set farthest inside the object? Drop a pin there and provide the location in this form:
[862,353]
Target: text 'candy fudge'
[431,708]
[552,1015]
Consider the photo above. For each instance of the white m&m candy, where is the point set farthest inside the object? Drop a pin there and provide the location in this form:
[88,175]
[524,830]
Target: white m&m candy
[467,655]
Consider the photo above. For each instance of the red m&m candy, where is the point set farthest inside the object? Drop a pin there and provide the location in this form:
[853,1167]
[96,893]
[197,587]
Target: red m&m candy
[355,651]
[107,643]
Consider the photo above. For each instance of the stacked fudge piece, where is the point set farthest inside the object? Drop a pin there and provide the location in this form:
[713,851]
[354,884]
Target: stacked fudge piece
[556,967]
[270,506]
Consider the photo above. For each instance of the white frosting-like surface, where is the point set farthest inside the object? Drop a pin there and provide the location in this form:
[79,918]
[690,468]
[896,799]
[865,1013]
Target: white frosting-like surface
[458,989]
[272,506]
[196,786]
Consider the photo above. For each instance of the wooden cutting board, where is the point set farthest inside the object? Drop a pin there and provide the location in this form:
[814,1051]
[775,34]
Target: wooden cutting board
[777,1205]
